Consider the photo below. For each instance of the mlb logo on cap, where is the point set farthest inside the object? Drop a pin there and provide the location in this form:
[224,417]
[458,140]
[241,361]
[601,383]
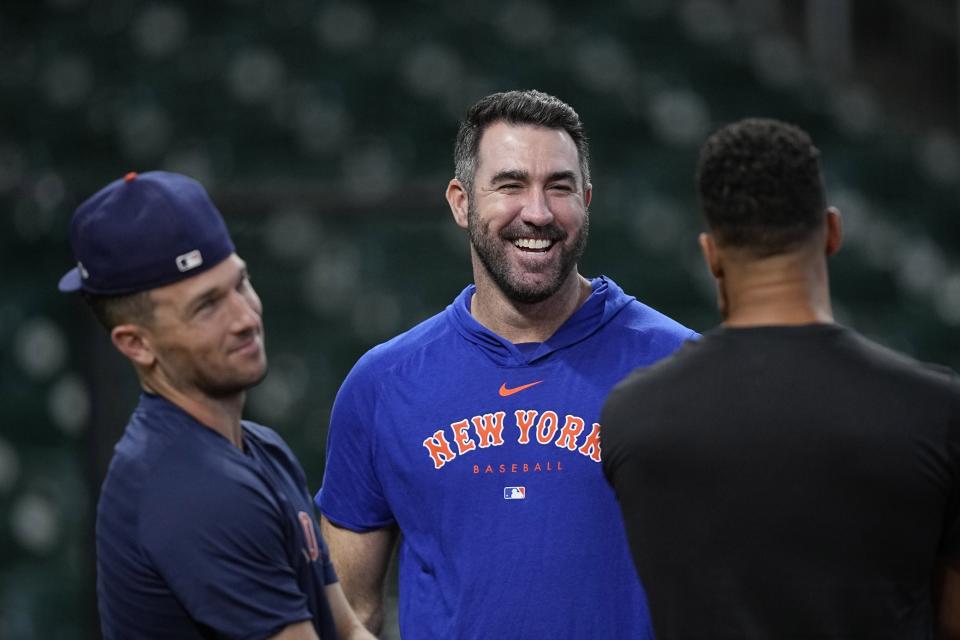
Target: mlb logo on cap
[145,231]
[514,493]
[189,261]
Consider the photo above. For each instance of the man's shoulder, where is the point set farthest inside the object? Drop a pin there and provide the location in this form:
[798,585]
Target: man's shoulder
[216,466]
[837,350]
[646,334]
[834,350]
[275,447]
[150,435]
[640,317]
[427,334]
[192,457]
[264,434]
[184,494]
[673,370]
[160,482]
[887,361]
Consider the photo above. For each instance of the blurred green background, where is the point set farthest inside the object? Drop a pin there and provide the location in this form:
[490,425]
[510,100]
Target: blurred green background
[324,132]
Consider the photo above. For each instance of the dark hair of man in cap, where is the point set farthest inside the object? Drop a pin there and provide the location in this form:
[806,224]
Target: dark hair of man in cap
[529,107]
[110,311]
[760,186]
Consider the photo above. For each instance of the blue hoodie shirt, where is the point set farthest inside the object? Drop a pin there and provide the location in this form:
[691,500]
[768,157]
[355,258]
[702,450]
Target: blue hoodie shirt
[486,454]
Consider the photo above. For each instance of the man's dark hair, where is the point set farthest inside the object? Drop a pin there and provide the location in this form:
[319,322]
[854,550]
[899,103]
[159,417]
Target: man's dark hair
[760,186]
[136,308]
[529,107]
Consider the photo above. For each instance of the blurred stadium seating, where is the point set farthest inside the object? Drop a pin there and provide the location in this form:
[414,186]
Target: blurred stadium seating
[324,132]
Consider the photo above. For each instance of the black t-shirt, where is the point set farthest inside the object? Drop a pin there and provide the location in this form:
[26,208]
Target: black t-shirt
[787,482]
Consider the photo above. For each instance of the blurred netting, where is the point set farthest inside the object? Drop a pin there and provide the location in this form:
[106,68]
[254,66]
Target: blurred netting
[324,132]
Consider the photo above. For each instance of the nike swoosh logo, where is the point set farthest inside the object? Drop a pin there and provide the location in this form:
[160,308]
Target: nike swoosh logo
[504,391]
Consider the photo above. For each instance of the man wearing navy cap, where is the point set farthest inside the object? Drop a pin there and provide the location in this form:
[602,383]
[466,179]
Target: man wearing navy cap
[205,527]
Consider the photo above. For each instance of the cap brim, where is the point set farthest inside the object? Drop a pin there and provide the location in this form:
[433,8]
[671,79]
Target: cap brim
[71,281]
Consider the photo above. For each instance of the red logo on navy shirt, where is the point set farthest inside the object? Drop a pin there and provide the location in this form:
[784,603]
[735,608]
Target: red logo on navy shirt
[312,552]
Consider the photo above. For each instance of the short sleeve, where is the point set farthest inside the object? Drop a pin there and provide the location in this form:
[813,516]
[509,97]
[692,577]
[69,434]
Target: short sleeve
[220,541]
[950,542]
[351,495]
[611,442]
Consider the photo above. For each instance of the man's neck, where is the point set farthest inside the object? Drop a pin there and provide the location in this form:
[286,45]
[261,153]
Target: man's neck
[521,322]
[777,291]
[219,414]
[779,313]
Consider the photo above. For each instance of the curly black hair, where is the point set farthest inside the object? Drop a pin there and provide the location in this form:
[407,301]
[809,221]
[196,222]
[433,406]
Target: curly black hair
[760,186]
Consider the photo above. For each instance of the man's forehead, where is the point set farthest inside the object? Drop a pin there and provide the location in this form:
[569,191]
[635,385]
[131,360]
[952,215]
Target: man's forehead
[504,142]
[502,131]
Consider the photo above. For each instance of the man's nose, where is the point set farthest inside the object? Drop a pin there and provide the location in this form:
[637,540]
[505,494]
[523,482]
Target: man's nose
[536,210]
[245,311]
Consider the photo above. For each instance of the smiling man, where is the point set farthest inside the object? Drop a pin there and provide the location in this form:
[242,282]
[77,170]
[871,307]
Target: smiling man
[205,527]
[475,434]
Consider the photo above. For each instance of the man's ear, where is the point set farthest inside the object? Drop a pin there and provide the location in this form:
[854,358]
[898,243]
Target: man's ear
[133,341]
[834,231]
[710,254]
[459,201]
[587,195]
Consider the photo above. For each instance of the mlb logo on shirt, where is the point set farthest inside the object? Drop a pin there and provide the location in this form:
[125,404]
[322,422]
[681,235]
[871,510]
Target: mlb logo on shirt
[514,493]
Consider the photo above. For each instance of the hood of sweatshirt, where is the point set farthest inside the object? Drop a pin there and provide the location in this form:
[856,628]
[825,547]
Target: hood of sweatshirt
[603,304]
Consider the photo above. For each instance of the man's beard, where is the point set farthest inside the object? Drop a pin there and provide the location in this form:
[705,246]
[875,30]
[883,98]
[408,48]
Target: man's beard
[226,387]
[492,253]
[214,382]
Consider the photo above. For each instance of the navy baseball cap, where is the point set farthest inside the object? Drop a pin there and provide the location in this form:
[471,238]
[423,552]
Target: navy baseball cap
[144,231]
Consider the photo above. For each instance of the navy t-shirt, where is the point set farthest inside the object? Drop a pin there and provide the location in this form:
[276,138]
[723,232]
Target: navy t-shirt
[198,539]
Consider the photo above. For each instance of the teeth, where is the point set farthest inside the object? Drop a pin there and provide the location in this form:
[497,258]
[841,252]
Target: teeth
[530,243]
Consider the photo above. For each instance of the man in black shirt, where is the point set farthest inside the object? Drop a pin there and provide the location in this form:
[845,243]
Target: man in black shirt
[784,477]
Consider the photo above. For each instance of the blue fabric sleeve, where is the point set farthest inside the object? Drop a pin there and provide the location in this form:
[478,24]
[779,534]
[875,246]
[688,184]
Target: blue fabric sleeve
[351,495]
[220,543]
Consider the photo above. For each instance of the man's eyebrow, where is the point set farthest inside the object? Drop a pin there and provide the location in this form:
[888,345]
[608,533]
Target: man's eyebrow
[523,176]
[510,174]
[213,292]
[207,294]
[562,175]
